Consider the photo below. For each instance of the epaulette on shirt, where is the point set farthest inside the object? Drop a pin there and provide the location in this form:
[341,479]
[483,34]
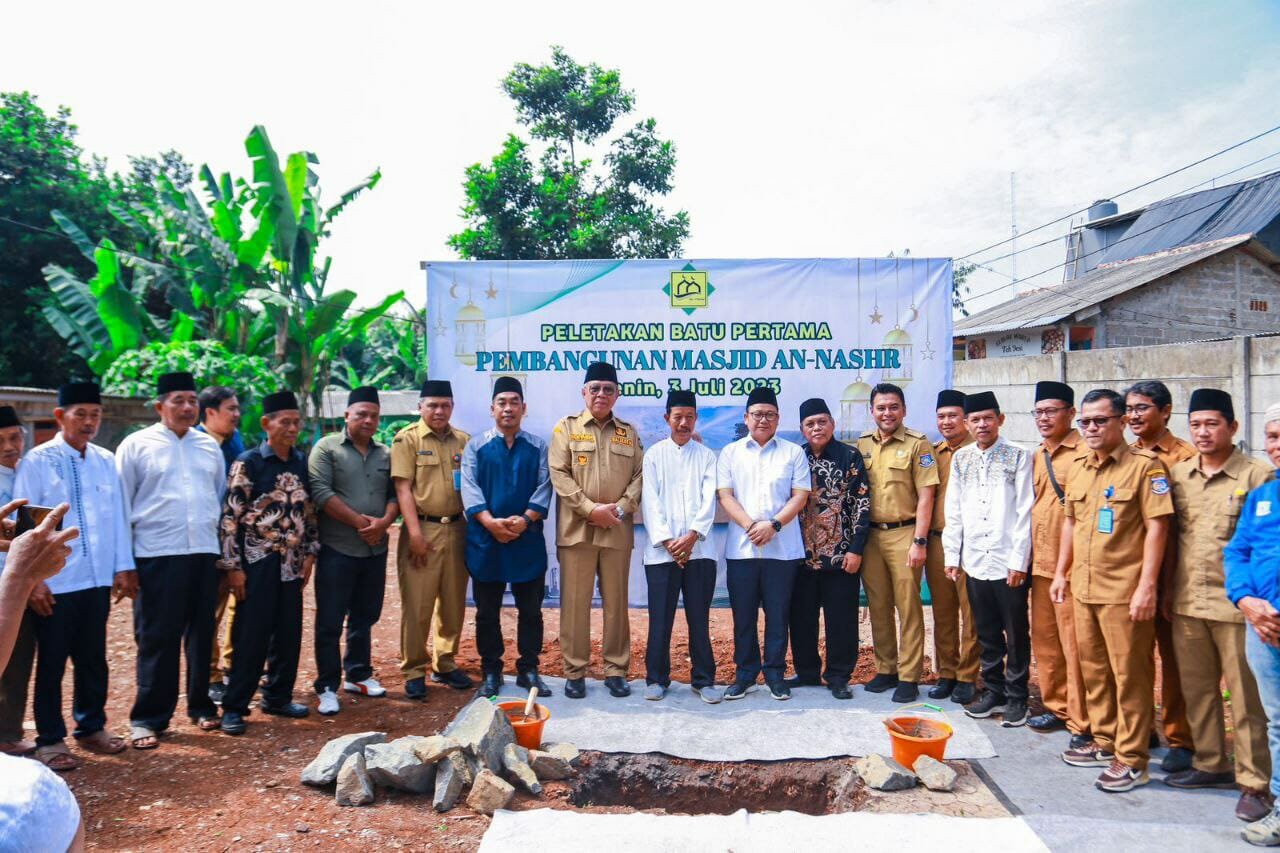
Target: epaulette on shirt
[909,431]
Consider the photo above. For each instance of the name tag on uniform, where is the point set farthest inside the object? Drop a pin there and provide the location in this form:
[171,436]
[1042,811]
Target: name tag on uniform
[1106,520]
[457,481]
[1263,508]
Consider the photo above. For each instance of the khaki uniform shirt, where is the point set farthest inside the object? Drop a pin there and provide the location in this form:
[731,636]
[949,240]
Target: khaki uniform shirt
[1170,450]
[942,453]
[433,464]
[1208,508]
[898,467]
[593,464]
[1046,512]
[1105,567]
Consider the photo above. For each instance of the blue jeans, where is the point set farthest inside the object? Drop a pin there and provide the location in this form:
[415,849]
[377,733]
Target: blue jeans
[1264,660]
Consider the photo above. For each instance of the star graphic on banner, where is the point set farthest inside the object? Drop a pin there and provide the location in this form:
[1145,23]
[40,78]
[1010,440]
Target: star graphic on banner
[440,329]
[876,317]
[492,292]
[927,352]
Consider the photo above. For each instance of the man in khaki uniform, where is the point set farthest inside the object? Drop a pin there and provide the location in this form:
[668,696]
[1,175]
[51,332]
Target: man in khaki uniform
[426,467]
[1113,536]
[1208,632]
[596,464]
[1053,629]
[955,645]
[903,475]
[1149,405]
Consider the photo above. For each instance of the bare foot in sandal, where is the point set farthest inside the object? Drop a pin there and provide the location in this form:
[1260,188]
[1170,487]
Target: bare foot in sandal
[102,743]
[208,724]
[18,747]
[142,737]
[57,757]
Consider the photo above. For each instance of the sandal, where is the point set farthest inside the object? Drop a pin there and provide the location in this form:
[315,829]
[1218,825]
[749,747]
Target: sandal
[141,737]
[208,724]
[57,757]
[102,743]
[20,748]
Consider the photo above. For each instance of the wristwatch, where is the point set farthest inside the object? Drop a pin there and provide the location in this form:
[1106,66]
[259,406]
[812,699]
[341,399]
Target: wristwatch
[921,541]
[701,538]
[617,510]
[777,525]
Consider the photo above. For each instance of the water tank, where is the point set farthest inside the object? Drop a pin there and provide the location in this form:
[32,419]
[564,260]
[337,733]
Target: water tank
[1102,208]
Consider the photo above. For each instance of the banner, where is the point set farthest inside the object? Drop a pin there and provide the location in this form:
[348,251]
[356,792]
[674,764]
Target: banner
[829,328]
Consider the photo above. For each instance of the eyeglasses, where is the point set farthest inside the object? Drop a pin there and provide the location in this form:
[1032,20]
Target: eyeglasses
[1085,423]
[602,390]
[763,416]
[1140,408]
[1051,412]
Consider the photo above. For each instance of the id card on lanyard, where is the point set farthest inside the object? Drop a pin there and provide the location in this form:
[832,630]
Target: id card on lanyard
[1106,515]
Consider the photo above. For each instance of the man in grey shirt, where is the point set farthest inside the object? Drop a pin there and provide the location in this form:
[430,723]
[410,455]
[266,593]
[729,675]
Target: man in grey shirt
[352,489]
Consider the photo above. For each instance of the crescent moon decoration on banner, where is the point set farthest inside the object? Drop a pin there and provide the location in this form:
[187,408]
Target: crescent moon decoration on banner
[453,289]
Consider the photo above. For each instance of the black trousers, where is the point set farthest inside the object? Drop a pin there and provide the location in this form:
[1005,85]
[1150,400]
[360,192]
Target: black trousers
[347,588]
[696,582]
[16,679]
[489,642]
[836,593]
[753,584]
[177,598]
[1004,632]
[267,629]
[77,629]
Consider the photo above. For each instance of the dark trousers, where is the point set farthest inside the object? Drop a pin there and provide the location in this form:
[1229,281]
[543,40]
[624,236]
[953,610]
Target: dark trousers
[177,598]
[752,584]
[350,589]
[836,593]
[77,629]
[267,629]
[16,679]
[1004,632]
[696,583]
[489,642]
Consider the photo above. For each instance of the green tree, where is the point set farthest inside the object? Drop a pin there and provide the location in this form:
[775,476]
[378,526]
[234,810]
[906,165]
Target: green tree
[565,207]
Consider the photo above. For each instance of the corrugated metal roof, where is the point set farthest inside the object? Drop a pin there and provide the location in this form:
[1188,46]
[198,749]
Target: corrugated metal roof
[1045,307]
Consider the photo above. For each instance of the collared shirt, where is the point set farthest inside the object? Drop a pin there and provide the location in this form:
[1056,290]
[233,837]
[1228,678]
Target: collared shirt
[942,454]
[55,473]
[898,467]
[1106,567]
[172,491]
[1208,509]
[679,496]
[593,463]
[506,481]
[1047,511]
[231,448]
[1252,557]
[269,512]
[361,480]
[1170,449]
[762,479]
[433,464]
[837,517]
[988,509]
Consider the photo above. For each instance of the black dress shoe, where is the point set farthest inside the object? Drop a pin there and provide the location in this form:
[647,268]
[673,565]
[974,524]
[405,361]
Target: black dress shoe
[232,723]
[963,693]
[526,681]
[1176,760]
[491,685]
[942,689]
[1193,778]
[416,688]
[455,678]
[841,691]
[882,682]
[575,688]
[618,687]
[1080,741]
[906,691]
[800,681]
[292,710]
[1046,722]
[1254,805]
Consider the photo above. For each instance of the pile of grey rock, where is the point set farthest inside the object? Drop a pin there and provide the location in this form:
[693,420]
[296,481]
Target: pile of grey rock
[885,774]
[476,753]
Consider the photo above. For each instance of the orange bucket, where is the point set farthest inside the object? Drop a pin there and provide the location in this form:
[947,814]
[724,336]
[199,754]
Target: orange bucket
[923,737]
[528,732]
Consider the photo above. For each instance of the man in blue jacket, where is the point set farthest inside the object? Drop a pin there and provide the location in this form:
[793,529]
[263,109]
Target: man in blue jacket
[1253,584]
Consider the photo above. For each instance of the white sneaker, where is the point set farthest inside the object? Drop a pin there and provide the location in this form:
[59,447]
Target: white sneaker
[329,704]
[654,692]
[368,687]
[710,694]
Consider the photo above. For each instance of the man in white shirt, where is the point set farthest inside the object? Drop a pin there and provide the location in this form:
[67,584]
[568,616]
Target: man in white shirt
[173,477]
[679,503]
[17,675]
[763,483]
[72,608]
[988,537]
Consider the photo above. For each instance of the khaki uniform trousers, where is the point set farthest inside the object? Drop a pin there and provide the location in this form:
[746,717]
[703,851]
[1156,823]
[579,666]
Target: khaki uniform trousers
[435,595]
[220,660]
[955,637]
[1210,652]
[891,586]
[580,566]
[1173,704]
[1119,675]
[1053,641]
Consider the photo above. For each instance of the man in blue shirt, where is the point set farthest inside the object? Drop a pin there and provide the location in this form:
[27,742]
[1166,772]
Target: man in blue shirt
[506,490]
[1252,561]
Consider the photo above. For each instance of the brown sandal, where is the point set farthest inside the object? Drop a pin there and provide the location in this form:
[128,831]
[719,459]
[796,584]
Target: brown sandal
[57,757]
[208,724]
[102,743]
[20,748]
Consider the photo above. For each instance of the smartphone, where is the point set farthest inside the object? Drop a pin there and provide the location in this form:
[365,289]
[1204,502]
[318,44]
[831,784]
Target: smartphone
[29,516]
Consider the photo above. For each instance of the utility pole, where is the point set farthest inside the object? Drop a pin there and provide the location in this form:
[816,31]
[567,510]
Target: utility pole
[1013,223]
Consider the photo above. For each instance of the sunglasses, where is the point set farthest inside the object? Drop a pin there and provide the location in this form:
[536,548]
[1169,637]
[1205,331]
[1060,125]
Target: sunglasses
[1085,423]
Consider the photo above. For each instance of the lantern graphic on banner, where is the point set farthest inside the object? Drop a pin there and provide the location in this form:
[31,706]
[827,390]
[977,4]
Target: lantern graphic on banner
[468,332]
[855,410]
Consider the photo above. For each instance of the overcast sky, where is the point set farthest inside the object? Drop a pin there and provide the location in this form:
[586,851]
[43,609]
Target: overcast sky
[803,129]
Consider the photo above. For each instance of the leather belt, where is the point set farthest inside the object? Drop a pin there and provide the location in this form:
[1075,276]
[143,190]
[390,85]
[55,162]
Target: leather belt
[441,519]
[893,525]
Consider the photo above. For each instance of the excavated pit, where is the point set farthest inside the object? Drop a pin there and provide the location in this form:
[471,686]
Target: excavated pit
[655,782]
